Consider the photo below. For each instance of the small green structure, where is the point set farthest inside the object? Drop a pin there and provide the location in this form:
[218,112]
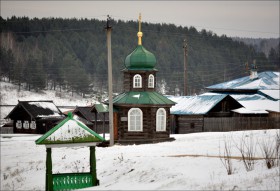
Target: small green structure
[70,133]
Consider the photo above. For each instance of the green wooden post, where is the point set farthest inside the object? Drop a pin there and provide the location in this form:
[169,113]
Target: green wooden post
[49,180]
[93,165]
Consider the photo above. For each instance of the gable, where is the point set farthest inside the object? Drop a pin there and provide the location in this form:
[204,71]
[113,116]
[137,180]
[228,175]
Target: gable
[70,130]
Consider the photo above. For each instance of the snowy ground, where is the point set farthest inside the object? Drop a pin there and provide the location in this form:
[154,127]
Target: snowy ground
[164,166]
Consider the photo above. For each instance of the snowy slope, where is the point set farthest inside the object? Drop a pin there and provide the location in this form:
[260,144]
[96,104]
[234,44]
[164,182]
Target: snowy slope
[163,166]
[10,96]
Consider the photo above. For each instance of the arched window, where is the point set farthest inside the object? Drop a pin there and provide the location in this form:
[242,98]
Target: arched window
[161,120]
[135,119]
[151,81]
[137,81]
[26,125]
[18,125]
[33,125]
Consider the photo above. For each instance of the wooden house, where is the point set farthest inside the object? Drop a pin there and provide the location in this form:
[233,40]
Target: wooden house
[143,114]
[34,117]
[85,115]
[190,112]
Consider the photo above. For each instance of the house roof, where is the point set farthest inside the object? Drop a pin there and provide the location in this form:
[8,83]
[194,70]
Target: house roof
[253,102]
[266,81]
[70,130]
[274,94]
[38,109]
[102,108]
[244,110]
[142,98]
[194,105]
[85,112]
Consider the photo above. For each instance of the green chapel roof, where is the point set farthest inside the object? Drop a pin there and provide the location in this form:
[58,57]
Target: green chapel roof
[140,59]
[142,98]
[70,130]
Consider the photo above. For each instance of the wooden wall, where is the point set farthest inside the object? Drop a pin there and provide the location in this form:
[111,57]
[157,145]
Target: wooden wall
[149,125]
[188,123]
[191,124]
[240,123]
[128,80]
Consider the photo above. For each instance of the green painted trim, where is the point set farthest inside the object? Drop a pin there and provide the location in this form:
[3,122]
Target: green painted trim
[49,178]
[92,159]
[142,98]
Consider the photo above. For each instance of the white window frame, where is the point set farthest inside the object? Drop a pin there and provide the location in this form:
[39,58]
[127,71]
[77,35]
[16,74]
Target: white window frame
[137,81]
[33,125]
[132,119]
[19,125]
[151,81]
[26,125]
[161,120]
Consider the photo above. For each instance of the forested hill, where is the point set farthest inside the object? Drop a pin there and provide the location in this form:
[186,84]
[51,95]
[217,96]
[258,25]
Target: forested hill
[57,53]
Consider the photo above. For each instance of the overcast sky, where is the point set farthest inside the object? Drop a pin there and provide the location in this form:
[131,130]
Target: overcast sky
[233,18]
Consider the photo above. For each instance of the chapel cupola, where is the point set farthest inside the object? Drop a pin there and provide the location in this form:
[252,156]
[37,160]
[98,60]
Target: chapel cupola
[140,72]
[140,58]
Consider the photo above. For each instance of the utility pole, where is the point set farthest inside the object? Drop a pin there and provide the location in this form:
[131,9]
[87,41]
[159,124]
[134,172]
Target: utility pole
[185,47]
[111,127]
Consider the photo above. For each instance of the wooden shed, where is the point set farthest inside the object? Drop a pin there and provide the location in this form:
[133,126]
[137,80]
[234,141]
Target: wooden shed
[190,112]
[35,117]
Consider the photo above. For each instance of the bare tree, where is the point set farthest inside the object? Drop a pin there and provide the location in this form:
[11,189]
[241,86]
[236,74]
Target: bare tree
[268,151]
[277,147]
[247,149]
[226,157]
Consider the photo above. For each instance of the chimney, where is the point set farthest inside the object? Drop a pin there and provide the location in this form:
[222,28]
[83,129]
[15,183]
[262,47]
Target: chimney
[253,71]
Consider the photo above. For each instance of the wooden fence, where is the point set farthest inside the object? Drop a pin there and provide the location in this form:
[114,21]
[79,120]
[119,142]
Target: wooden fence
[240,123]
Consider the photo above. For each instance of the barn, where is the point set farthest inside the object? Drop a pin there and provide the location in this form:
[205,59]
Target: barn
[190,112]
[34,117]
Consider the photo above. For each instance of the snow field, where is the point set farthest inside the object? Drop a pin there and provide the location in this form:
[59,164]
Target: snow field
[143,167]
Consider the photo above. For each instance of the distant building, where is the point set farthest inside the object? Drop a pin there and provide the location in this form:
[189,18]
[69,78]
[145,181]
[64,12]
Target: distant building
[143,114]
[35,117]
[253,103]
[190,112]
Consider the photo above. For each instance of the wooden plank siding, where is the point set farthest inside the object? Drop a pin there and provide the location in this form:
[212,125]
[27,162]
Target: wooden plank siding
[240,123]
[189,124]
[192,124]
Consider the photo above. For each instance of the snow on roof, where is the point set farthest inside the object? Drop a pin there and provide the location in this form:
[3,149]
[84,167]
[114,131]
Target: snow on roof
[268,105]
[275,94]
[243,110]
[265,81]
[194,105]
[253,102]
[45,105]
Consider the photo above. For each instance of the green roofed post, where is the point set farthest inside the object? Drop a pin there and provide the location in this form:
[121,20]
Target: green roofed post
[70,130]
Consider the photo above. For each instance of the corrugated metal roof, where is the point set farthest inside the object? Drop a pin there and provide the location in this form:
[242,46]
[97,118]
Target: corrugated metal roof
[253,102]
[265,80]
[142,98]
[195,105]
[274,94]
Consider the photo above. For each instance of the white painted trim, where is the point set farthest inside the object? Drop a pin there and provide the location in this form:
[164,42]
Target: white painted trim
[141,120]
[71,145]
[140,83]
[152,78]
[158,122]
